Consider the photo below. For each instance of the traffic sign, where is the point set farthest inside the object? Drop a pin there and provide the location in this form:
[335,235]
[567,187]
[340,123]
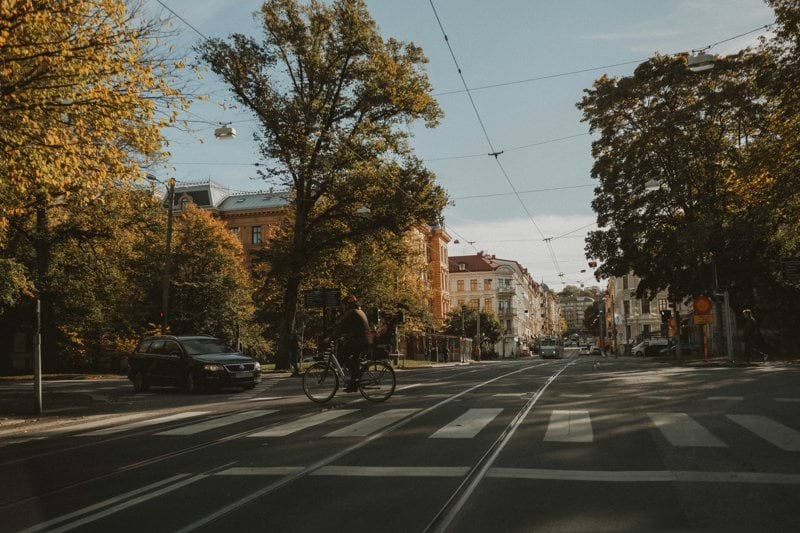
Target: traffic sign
[703,319]
[322,297]
[702,306]
[791,269]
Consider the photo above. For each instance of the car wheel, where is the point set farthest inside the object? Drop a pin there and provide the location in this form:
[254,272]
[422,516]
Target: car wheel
[190,384]
[140,384]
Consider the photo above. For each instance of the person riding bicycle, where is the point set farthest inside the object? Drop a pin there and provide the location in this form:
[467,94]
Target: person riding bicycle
[353,328]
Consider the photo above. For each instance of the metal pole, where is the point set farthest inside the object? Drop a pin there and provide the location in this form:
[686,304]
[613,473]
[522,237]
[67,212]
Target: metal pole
[678,347]
[37,360]
[167,259]
[478,329]
[728,325]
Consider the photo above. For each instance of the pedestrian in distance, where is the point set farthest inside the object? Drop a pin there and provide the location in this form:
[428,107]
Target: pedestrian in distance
[294,354]
[753,340]
[446,354]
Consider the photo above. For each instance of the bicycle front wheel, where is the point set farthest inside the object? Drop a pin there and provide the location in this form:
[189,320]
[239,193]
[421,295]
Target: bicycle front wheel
[320,382]
[377,381]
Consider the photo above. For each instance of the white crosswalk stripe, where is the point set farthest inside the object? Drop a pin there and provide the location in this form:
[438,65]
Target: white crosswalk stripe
[682,430]
[302,423]
[372,424]
[569,426]
[217,423]
[777,434]
[467,425]
[144,423]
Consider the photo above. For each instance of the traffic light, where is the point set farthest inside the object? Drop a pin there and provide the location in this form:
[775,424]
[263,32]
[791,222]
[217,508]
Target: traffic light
[666,314]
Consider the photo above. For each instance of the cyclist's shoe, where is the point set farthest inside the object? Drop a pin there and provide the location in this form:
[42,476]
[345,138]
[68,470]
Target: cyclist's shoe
[352,387]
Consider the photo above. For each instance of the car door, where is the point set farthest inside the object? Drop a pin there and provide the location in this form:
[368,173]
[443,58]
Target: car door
[151,361]
[173,362]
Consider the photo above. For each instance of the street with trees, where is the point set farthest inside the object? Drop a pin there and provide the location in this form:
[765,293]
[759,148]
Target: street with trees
[491,330]
[697,173]
[332,98]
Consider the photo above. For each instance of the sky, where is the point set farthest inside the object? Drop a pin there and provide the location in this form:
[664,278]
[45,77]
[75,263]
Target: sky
[495,42]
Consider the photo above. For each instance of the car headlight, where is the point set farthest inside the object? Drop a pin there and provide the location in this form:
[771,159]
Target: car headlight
[257,367]
[212,368]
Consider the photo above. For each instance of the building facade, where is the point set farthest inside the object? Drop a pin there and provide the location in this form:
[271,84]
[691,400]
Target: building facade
[505,288]
[253,217]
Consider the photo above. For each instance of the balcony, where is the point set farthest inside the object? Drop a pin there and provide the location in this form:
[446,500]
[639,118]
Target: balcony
[508,311]
[505,289]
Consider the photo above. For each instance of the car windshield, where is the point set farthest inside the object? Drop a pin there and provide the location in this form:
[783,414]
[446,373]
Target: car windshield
[205,346]
[548,342]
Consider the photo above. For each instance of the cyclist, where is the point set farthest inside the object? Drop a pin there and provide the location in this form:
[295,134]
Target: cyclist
[353,327]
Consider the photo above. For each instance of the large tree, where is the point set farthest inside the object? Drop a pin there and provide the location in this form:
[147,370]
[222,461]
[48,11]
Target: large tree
[83,95]
[463,320]
[673,152]
[332,98]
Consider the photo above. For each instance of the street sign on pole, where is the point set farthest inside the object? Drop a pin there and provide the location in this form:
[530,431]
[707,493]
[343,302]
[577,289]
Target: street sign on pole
[791,269]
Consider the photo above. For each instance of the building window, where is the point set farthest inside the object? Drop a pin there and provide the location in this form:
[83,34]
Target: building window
[487,284]
[627,332]
[184,203]
[256,235]
[473,284]
[234,232]
[646,331]
[475,303]
[487,304]
[625,281]
[462,267]
[460,285]
[645,307]
[461,302]
[626,307]
[509,327]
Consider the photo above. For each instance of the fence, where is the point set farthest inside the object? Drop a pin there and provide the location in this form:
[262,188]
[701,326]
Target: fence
[434,347]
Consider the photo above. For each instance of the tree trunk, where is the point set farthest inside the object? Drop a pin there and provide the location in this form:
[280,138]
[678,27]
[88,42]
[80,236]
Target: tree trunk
[292,292]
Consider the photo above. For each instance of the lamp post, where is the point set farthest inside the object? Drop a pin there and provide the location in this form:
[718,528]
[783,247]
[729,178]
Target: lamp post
[167,252]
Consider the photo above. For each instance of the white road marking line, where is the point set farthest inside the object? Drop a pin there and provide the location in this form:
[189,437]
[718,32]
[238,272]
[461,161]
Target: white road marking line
[372,424]
[262,399]
[682,430]
[217,423]
[18,441]
[569,426]
[392,471]
[302,423]
[728,398]
[143,423]
[510,394]
[788,400]
[777,434]
[467,425]
[637,476]
[575,395]
[649,397]
[105,503]
[260,471]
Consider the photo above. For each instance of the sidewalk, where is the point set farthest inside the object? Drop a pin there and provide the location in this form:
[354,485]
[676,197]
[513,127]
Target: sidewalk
[724,362]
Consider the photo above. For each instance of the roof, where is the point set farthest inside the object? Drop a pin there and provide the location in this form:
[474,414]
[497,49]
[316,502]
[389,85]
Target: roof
[472,263]
[251,201]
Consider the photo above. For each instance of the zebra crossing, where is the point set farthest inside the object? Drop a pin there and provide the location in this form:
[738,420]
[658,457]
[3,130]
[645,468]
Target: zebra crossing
[680,430]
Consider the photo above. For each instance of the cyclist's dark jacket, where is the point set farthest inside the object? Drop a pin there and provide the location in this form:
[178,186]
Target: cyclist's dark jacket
[354,327]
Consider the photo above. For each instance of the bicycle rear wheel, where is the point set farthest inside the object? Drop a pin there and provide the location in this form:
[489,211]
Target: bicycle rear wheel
[320,382]
[377,381]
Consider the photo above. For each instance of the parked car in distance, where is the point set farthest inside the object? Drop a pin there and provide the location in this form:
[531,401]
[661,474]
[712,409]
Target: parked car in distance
[686,349]
[192,362]
[595,350]
[550,347]
[649,347]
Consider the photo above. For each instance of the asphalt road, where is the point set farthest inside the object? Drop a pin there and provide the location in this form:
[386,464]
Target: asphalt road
[576,444]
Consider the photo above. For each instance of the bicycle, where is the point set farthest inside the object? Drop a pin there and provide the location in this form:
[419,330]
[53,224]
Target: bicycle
[321,380]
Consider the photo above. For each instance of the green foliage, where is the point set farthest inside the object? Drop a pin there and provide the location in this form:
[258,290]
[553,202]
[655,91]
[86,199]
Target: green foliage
[211,287]
[332,97]
[491,330]
[591,318]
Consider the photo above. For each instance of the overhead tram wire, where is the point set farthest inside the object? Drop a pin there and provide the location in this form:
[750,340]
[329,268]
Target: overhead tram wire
[526,191]
[493,152]
[591,69]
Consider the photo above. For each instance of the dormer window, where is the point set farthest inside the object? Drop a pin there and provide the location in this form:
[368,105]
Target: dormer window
[462,267]
[184,203]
